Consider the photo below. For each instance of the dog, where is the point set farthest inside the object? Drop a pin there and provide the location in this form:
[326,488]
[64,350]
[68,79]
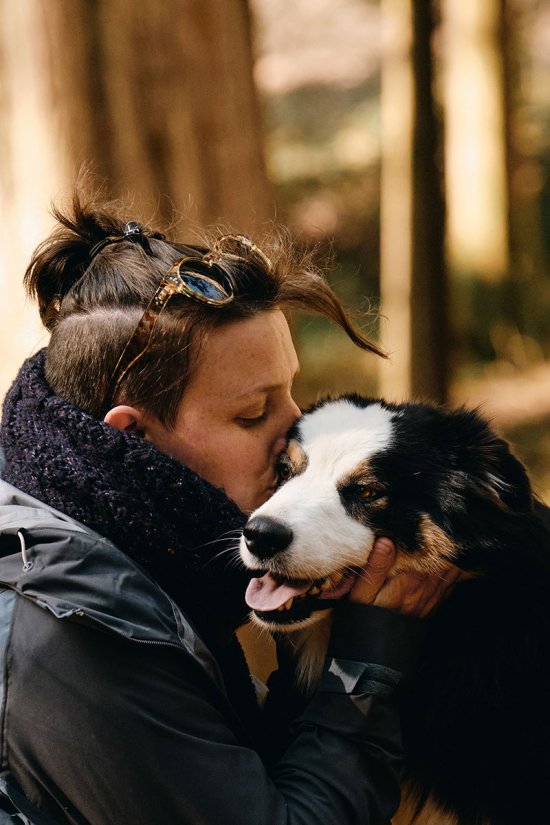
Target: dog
[447,490]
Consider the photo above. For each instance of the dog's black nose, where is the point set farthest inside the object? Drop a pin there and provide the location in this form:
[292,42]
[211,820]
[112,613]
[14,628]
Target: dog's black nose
[266,537]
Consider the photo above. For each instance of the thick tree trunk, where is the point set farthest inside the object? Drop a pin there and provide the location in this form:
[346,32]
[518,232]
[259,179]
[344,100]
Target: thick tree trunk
[160,96]
[475,149]
[31,170]
[477,158]
[526,296]
[157,97]
[430,322]
[413,284]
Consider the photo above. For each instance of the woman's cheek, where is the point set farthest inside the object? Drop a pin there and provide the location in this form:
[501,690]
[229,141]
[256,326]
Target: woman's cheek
[257,453]
[251,448]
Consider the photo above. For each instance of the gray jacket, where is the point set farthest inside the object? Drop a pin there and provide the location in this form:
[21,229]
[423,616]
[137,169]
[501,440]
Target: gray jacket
[113,710]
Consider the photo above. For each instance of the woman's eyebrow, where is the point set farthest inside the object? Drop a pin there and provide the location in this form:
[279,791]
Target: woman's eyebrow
[264,388]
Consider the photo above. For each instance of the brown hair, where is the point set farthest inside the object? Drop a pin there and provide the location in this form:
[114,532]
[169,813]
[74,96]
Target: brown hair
[92,306]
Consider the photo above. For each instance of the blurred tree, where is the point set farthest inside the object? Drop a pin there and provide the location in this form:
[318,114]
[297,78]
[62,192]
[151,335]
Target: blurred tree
[157,97]
[527,296]
[412,269]
[160,96]
[474,99]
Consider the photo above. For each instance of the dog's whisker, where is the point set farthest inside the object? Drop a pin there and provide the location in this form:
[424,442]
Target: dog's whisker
[233,553]
[265,634]
[363,575]
[231,535]
[224,552]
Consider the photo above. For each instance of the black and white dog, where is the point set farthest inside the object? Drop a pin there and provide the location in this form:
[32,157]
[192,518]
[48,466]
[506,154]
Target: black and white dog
[446,489]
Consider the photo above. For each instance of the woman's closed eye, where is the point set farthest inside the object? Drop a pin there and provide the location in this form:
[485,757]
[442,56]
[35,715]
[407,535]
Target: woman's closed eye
[252,421]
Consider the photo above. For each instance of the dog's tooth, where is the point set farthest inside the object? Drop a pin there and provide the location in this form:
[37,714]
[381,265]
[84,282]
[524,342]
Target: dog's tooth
[313,590]
[326,585]
[287,605]
[281,608]
[336,578]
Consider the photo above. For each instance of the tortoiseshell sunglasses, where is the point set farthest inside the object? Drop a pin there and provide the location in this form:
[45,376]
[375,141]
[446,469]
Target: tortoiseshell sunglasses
[192,276]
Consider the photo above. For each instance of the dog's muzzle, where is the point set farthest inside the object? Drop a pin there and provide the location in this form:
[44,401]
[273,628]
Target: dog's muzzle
[265,537]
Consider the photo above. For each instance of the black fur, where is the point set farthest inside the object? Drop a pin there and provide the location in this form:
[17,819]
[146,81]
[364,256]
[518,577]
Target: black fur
[476,715]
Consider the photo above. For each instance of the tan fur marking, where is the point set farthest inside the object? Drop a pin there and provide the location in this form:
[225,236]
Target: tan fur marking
[431,813]
[363,474]
[296,456]
[436,551]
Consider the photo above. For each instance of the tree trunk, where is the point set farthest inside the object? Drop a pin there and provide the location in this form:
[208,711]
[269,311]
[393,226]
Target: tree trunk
[157,97]
[475,149]
[474,101]
[430,322]
[527,292]
[161,98]
[413,284]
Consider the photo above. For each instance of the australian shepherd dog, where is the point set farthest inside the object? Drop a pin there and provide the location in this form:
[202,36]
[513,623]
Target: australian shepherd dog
[447,490]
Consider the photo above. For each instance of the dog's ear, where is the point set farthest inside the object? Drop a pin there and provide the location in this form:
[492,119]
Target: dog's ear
[487,460]
[495,524]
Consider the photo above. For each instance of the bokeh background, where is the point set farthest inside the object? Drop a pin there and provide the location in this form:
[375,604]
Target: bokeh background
[409,140]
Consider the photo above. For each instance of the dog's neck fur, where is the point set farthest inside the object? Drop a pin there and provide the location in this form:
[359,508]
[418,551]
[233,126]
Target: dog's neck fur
[309,648]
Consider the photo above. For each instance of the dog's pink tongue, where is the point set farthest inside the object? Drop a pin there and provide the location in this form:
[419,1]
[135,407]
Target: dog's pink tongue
[266,594]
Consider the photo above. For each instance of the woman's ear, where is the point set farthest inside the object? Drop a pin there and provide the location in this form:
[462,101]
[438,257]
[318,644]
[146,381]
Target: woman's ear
[126,418]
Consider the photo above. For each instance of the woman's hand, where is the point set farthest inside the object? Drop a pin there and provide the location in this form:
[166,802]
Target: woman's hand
[412,593]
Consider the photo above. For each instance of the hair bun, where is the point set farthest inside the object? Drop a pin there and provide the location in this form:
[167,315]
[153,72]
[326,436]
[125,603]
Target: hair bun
[133,231]
[60,261]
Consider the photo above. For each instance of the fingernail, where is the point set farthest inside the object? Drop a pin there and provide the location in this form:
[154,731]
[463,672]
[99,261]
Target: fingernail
[384,547]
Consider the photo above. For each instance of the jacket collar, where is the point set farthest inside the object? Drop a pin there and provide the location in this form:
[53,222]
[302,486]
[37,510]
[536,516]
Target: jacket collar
[79,575]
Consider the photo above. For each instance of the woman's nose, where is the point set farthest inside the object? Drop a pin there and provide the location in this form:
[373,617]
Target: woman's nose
[292,414]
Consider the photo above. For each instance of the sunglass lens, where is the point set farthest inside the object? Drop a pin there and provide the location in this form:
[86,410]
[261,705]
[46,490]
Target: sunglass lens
[199,285]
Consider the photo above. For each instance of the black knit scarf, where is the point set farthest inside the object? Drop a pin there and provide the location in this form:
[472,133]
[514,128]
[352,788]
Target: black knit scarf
[180,528]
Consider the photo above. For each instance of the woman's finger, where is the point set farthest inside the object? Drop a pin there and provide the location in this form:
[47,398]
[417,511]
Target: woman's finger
[417,594]
[375,572]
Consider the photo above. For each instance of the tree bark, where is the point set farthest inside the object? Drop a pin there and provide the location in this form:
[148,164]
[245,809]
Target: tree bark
[157,97]
[413,282]
[475,152]
[430,322]
[161,98]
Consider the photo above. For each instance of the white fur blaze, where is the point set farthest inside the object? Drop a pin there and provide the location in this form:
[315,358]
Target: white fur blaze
[324,536]
[336,439]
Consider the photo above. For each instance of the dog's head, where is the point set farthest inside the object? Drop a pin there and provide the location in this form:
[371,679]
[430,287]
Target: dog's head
[439,483]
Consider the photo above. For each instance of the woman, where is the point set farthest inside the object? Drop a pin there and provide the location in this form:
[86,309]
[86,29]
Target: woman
[135,445]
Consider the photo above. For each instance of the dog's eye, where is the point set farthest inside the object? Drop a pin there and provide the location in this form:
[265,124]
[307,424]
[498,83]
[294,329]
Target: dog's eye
[357,494]
[283,470]
[369,492]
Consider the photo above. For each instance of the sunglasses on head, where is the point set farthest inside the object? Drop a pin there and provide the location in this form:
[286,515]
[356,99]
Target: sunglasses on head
[203,278]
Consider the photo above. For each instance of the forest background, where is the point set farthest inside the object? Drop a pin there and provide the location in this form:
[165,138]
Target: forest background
[410,140]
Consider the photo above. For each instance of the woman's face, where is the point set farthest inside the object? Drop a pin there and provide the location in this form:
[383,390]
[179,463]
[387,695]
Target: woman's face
[233,419]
